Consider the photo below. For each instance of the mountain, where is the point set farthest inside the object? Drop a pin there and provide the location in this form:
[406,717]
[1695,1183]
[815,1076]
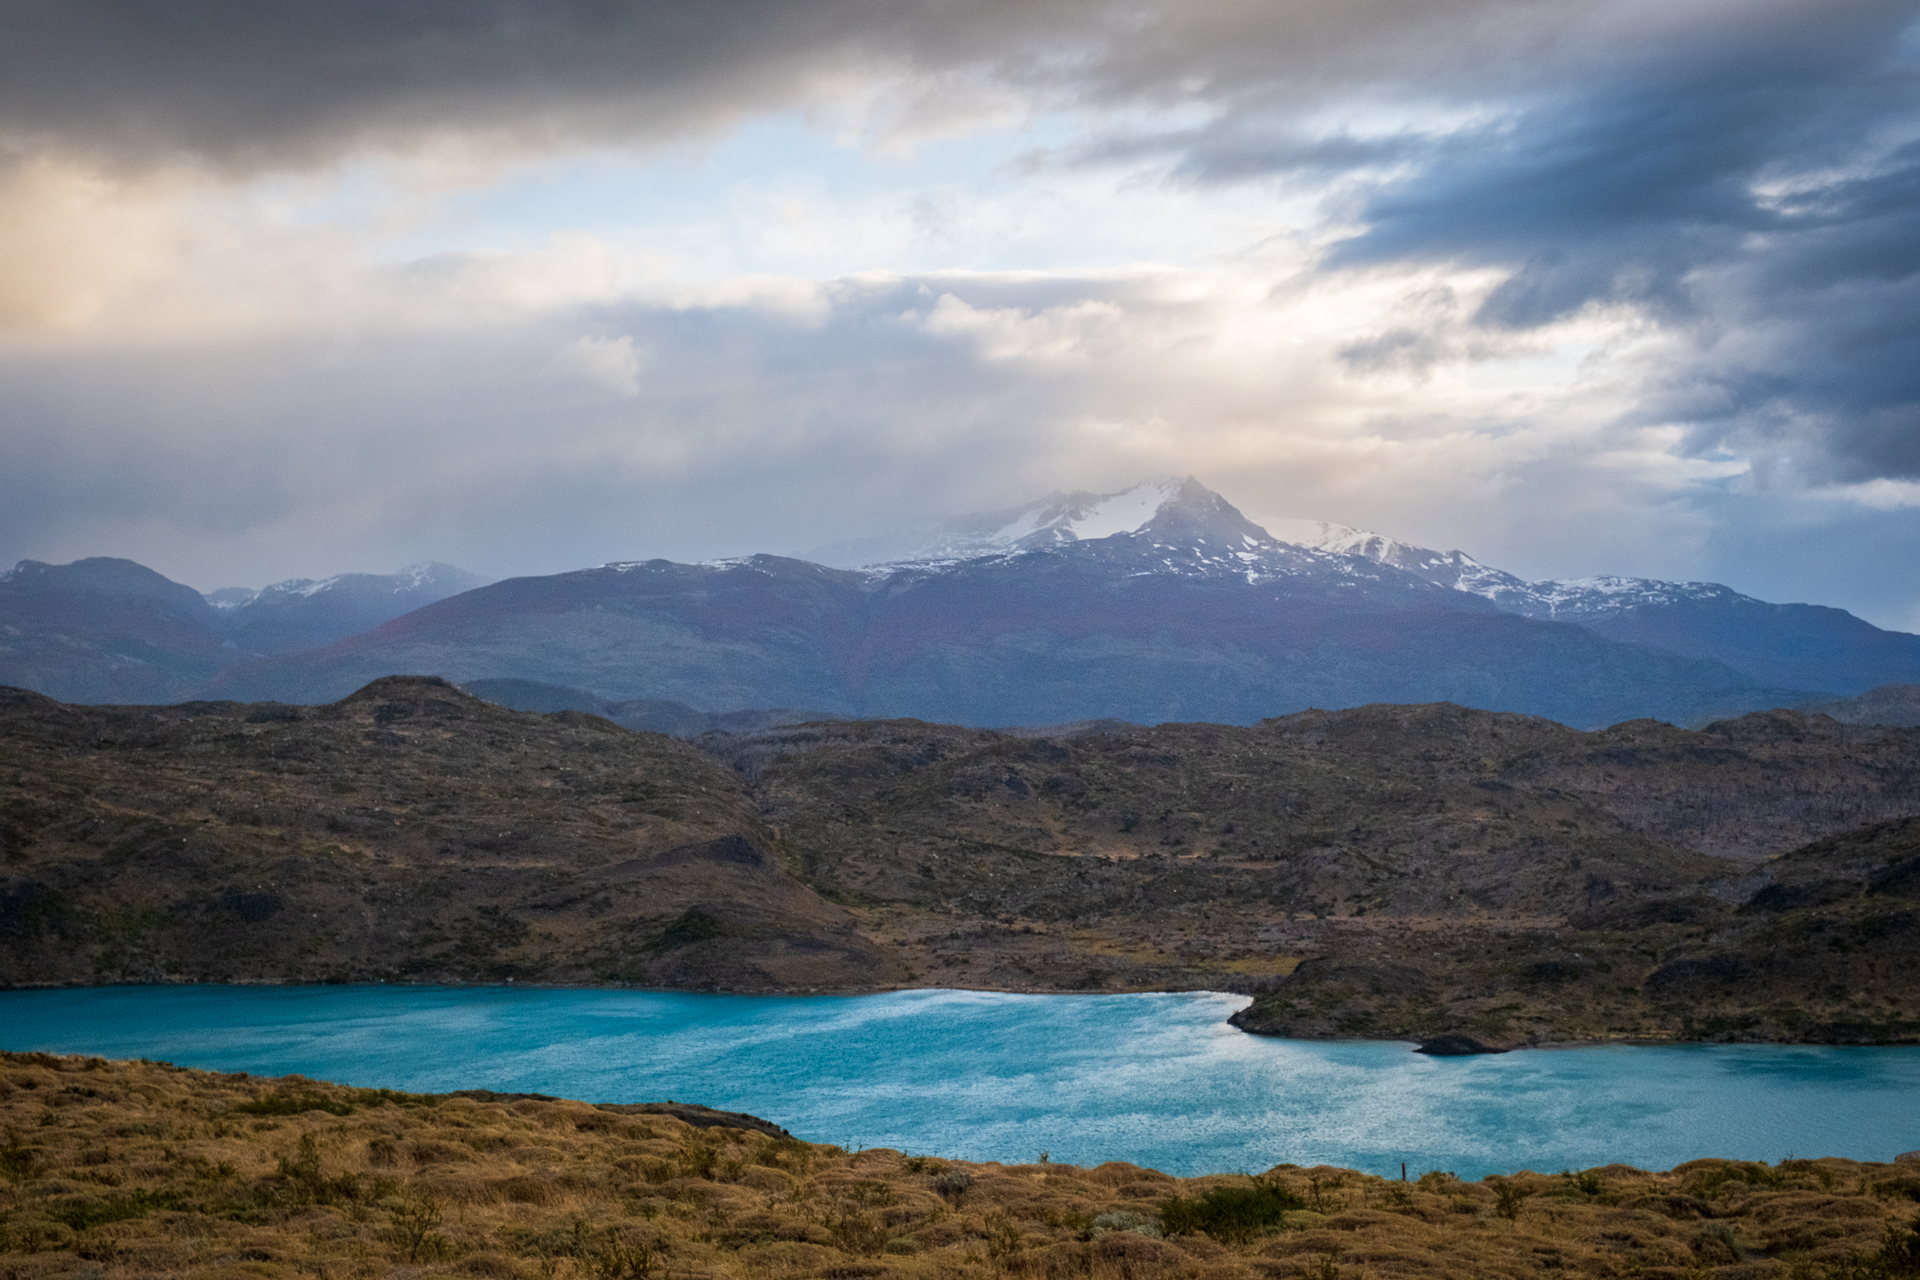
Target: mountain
[1190,612]
[1059,517]
[106,630]
[1782,645]
[111,630]
[308,613]
[1159,602]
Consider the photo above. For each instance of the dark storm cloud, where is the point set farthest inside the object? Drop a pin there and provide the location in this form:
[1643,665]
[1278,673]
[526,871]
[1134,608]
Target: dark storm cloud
[262,84]
[242,81]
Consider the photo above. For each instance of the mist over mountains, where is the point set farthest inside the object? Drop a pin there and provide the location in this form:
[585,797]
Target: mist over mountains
[1158,603]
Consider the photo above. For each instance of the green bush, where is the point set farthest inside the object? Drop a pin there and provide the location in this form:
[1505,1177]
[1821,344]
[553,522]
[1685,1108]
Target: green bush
[1231,1215]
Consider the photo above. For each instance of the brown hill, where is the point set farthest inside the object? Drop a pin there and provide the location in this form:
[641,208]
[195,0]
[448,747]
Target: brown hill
[408,832]
[1453,870]
[1439,870]
[141,1168]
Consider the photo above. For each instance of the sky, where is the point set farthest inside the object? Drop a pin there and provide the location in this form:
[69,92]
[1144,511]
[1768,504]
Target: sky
[1616,286]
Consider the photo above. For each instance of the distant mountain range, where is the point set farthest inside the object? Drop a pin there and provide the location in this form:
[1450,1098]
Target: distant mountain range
[307,613]
[106,630]
[1158,603]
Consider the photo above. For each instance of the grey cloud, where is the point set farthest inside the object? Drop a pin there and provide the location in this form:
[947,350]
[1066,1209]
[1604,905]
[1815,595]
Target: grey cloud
[245,83]
[751,431]
[264,84]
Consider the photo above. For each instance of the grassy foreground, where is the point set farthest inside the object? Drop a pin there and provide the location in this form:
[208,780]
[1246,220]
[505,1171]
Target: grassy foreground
[116,1169]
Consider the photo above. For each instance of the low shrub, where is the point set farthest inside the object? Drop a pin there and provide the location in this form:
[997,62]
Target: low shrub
[1231,1215]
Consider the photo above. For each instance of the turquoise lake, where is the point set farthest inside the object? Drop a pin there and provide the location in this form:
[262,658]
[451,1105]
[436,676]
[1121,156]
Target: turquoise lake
[1161,1080]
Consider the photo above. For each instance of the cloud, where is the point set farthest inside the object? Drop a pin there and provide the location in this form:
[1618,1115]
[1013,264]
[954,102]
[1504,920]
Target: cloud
[612,363]
[1756,196]
[242,84]
[475,424]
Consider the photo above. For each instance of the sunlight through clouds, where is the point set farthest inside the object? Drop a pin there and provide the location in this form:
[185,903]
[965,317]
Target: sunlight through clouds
[1570,289]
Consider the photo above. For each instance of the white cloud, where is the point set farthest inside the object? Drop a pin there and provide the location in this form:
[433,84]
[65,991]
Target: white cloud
[612,363]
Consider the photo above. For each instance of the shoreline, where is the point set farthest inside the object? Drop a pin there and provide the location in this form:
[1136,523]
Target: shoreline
[850,993]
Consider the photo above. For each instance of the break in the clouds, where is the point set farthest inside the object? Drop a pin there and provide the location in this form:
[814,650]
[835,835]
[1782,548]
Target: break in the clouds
[1620,286]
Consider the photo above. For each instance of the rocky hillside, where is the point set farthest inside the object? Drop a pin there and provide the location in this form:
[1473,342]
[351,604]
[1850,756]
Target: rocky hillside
[1388,871]
[410,832]
[1441,870]
[147,1169]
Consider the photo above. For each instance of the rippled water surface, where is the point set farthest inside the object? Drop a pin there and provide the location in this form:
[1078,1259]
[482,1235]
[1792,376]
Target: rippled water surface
[1158,1079]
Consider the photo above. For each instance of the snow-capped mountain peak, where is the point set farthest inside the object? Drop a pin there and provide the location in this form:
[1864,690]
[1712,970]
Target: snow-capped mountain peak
[1178,525]
[1082,517]
[1163,508]
[1056,518]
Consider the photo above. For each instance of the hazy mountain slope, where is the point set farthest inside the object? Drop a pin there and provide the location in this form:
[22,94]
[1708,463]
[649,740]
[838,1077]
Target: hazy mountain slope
[1078,632]
[103,629]
[303,613]
[408,832]
[739,634]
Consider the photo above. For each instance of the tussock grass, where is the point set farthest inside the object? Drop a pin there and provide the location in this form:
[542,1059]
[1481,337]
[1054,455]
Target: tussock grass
[118,1170]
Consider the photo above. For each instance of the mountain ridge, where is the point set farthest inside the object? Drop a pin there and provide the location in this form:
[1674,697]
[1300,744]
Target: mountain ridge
[1179,609]
[1161,601]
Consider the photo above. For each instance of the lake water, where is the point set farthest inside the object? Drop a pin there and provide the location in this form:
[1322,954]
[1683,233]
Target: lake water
[1161,1080]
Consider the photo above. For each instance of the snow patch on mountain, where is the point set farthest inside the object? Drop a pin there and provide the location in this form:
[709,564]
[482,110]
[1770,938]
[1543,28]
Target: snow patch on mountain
[1565,600]
[1080,516]
[227,599]
[1128,511]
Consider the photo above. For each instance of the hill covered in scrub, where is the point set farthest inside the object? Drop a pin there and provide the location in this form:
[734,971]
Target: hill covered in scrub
[1384,872]
[408,832]
[1439,869]
[141,1168]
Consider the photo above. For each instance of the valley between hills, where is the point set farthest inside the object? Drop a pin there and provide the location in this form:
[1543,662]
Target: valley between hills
[1389,871]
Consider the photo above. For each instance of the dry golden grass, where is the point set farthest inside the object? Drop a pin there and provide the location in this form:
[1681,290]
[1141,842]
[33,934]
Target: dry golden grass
[122,1170]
